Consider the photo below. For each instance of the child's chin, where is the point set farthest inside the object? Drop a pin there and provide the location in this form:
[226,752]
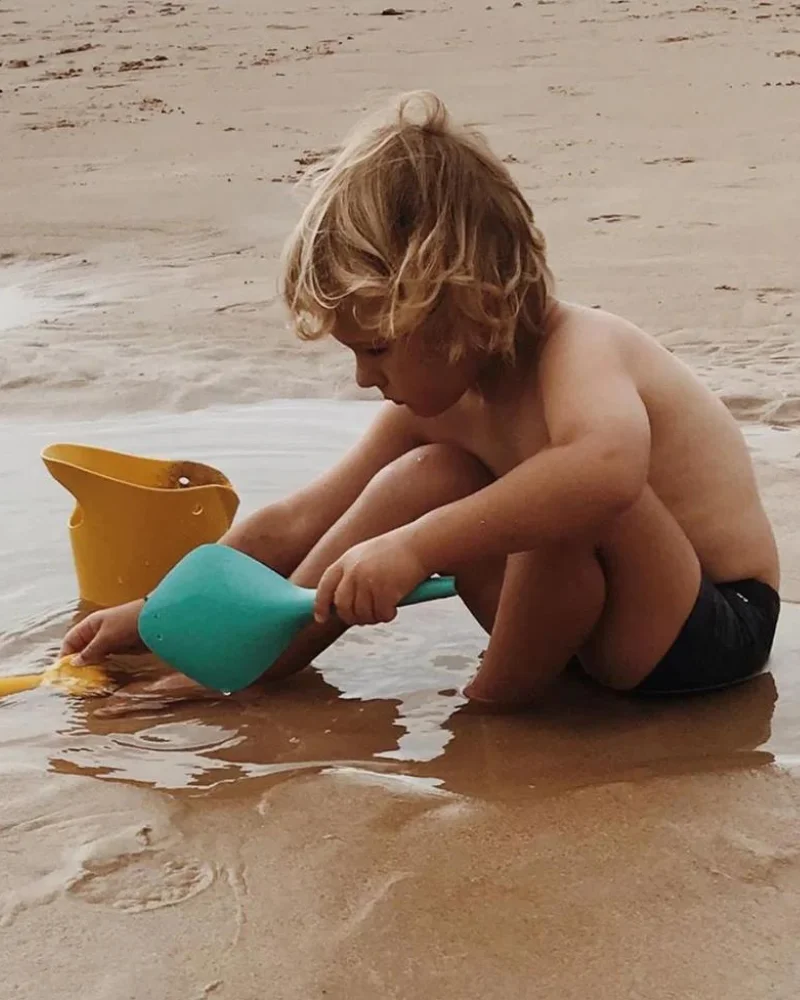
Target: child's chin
[422,409]
[430,408]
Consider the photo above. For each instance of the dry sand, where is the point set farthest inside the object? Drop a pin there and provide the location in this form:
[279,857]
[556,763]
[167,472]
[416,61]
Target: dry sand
[350,837]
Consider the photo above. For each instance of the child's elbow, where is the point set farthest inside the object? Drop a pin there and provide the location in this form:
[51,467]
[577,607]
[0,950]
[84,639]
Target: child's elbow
[623,477]
[626,494]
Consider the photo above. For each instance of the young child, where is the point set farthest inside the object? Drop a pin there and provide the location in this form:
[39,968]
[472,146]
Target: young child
[591,496]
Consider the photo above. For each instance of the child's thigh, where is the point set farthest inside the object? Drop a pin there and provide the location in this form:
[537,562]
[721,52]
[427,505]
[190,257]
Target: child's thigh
[427,477]
[652,581]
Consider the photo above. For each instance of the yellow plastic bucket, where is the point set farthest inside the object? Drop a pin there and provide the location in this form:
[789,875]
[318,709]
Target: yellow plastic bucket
[135,517]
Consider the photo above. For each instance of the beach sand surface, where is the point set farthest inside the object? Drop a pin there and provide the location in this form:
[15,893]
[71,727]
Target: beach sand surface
[350,835]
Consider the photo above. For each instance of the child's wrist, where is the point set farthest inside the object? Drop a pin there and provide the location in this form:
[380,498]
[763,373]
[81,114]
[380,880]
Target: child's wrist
[418,540]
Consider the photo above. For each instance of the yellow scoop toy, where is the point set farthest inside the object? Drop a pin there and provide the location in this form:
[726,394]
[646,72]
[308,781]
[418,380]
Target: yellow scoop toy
[85,682]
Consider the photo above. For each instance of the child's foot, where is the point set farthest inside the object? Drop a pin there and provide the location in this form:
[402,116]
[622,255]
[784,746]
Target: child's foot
[152,696]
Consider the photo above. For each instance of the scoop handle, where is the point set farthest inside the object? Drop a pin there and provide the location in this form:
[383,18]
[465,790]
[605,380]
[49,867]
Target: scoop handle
[17,683]
[432,589]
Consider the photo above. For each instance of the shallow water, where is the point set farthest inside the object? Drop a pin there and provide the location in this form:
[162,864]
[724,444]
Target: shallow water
[321,834]
[346,819]
[382,698]
[34,292]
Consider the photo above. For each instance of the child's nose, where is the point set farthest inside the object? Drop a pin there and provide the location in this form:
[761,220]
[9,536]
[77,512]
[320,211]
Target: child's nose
[367,375]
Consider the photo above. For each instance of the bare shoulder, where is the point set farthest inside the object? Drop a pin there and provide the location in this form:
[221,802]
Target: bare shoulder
[597,341]
[584,344]
[578,331]
[601,371]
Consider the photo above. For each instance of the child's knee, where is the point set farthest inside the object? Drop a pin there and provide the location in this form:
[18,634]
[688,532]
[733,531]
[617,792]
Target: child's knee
[439,472]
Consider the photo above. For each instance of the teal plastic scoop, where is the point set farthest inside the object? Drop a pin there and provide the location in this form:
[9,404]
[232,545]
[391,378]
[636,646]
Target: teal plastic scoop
[222,618]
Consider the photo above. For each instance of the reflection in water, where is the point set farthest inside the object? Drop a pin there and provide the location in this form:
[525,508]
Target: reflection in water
[582,736]
[380,701]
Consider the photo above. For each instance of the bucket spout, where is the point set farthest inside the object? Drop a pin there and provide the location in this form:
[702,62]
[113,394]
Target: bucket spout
[136,517]
[66,464]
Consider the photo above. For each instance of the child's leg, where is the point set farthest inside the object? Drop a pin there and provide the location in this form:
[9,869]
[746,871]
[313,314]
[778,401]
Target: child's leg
[421,480]
[618,605]
[653,576]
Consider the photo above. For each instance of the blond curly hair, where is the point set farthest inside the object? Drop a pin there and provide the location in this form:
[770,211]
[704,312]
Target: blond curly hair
[415,214]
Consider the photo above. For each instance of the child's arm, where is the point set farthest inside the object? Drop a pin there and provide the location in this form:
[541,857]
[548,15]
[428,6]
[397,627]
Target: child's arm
[594,468]
[282,534]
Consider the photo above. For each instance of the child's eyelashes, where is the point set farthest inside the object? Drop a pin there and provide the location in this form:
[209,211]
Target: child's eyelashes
[376,351]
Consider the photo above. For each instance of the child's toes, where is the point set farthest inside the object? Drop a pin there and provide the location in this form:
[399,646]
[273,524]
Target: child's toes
[154,696]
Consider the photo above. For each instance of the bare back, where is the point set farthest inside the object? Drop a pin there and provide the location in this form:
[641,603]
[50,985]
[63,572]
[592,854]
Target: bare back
[700,467]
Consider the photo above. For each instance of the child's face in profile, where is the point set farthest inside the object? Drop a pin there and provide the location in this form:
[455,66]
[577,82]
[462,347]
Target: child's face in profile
[408,371]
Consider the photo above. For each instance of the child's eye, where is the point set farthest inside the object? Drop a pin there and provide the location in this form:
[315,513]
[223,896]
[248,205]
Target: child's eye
[373,352]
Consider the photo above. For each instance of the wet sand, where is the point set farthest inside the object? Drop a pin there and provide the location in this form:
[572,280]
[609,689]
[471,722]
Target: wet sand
[350,835]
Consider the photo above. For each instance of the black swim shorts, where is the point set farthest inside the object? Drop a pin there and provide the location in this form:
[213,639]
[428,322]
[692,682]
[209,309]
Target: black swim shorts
[726,639]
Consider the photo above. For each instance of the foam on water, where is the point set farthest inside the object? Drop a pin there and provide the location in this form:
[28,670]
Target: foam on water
[17,308]
[33,291]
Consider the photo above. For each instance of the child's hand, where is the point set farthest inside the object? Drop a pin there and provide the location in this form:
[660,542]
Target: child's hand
[112,630]
[367,583]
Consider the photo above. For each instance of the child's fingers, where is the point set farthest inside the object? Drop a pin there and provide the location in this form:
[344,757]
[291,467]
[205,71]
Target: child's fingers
[364,606]
[93,652]
[68,646]
[70,643]
[78,638]
[344,600]
[326,589]
[385,610]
